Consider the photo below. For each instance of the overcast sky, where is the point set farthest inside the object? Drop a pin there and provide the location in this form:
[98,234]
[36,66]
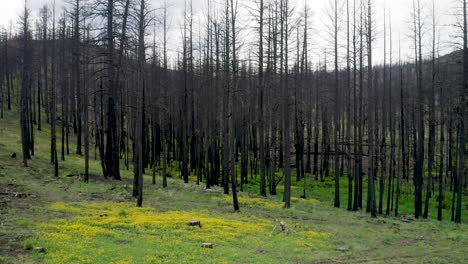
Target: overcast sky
[400,12]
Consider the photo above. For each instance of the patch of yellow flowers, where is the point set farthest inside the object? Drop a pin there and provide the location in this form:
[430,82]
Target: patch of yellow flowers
[71,239]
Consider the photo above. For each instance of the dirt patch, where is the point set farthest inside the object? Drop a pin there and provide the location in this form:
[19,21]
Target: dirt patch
[11,246]
[260,251]
[11,241]
[14,197]
[122,242]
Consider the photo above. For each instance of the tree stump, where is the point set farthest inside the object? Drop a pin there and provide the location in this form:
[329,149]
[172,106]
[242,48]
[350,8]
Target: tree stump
[284,226]
[207,245]
[194,223]
[39,249]
[342,249]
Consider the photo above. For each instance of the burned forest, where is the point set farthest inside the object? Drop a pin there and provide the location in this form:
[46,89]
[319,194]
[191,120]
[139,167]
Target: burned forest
[254,101]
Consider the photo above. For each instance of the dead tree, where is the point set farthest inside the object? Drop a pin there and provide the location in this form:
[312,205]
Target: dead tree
[232,165]
[431,141]
[111,158]
[286,11]
[86,98]
[261,89]
[392,164]
[348,110]
[53,101]
[76,76]
[26,79]
[372,96]
[335,18]
[142,21]
[462,119]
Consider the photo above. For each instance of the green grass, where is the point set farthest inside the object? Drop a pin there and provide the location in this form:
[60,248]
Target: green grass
[62,216]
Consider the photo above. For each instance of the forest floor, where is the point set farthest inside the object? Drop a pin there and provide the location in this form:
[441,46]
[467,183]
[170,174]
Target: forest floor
[98,222]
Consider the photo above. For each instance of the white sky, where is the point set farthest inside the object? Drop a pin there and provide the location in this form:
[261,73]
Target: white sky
[400,11]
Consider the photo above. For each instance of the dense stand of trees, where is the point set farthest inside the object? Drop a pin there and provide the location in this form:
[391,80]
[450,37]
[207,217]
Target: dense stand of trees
[225,112]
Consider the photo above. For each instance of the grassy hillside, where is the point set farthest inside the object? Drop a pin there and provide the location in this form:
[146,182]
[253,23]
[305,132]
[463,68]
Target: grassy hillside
[99,223]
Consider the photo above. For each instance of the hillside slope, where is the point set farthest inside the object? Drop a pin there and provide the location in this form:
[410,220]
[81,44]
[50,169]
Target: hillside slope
[98,222]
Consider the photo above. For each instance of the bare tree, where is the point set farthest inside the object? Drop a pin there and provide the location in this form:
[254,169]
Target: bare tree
[261,89]
[52,100]
[86,98]
[26,72]
[402,131]
[348,109]
[285,26]
[111,151]
[372,96]
[335,19]
[143,21]
[462,119]
[76,75]
[392,164]
[419,163]
[431,141]
[232,165]
[383,146]
[165,99]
